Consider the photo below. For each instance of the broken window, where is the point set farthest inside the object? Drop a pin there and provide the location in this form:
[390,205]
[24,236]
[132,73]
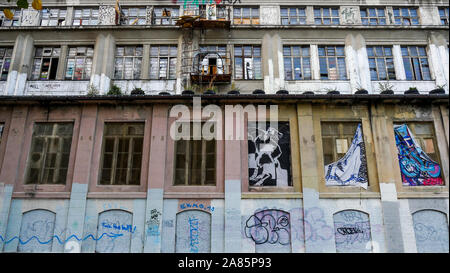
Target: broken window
[165,15]
[297,63]
[332,63]
[336,139]
[293,16]
[326,16]
[444,15]
[416,64]
[15,22]
[53,17]
[246,16]
[195,161]
[163,62]
[5,62]
[122,153]
[128,62]
[406,16]
[134,16]
[49,154]
[85,17]
[247,62]
[213,63]
[79,63]
[45,63]
[373,16]
[381,63]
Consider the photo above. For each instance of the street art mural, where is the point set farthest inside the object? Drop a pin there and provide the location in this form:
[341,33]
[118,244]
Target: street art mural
[193,232]
[351,170]
[270,230]
[269,155]
[118,223]
[352,231]
[417,168]
[37,231]
[431,231]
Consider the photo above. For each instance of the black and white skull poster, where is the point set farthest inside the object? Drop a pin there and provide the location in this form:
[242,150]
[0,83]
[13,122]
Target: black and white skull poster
[269,155]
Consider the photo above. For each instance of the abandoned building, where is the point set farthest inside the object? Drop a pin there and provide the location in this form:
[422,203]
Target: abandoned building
[357,159]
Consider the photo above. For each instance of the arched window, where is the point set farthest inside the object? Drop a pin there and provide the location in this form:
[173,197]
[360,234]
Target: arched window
[431,231]
[352,231]
[115,228]
[37,230]
[193,232]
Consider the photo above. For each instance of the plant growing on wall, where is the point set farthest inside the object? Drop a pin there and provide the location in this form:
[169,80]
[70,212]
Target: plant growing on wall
[385,87]
[137,91]
[114,91]
[92,91]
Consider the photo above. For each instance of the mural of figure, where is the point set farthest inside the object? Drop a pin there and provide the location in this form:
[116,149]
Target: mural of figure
[431,231]
[416,167]
[351,170]
[37,231]
[193,232]
[118,225]
[352,231]
[269,156]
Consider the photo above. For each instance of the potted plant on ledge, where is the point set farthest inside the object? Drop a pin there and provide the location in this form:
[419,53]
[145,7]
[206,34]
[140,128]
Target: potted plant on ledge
[385,88]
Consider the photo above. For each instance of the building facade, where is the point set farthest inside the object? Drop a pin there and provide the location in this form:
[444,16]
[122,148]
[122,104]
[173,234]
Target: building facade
[357,160]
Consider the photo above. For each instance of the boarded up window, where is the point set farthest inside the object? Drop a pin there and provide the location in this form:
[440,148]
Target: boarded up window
[122,154]
[352,231]
[193,232]
[37,231]
[48,160]
[115,229]
[431,231]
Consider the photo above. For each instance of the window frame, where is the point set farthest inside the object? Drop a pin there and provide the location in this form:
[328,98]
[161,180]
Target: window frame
[336,58]
[129,19]
[171,18]
[15,22]
[243,57]
[171,74]
[331,17]
[409,60]
[298,17]
[252,18]
[91,19]
[377,18]
[86,75]
[38,77]
[59,17]
[5,58]
[444,18]
[134,58]
[302,59]
[408,17]
[385,59]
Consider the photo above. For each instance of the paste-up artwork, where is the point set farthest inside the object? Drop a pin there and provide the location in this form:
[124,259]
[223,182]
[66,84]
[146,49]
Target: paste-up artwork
[116,229]
[269,155]
[270,230]
[352,231]
[417,168]
[193,232]
[351,170]
[37,231]
[431,231]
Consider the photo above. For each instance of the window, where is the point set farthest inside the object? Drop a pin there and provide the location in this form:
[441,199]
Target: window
[332,63]
[163,62]
[406,16]
[326,16]
[128,62]
[5,62]
[444,14]
[416,64]
[293,16]
[15,22]
[425,137]
[122,154]
[373,16]
[53,17]
[85,17]
[49,154]
[2,127]
[381,63]
[165,15]
[134,16]
[247,62]
[79,63]
[336,139]
[297,63]
[213,64]
[45,63]
[195,161]
[246,16]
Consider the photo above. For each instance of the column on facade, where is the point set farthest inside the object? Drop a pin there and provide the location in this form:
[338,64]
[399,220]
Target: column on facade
[363,63]
[272,56]
[315,65]
[438,58]
[351,60]
[398,63]
[103,63]
[62,62]
[21,64]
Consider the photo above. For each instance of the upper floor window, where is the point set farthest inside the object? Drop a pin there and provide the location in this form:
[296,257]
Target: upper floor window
[332,63]
[165,15]
[85,17]
[15,22]
[214,60]
[326,16]
[381,63]
[5,62]
[246,16]
[373,16]
[163,62]
[45,63]
[444,15]
[247,62]
[53,17]
[297,63]
[49,153]
[128,62]
[134,16]
[122,154]
[416,65]
[406,16]
[79,63]
[293,16]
